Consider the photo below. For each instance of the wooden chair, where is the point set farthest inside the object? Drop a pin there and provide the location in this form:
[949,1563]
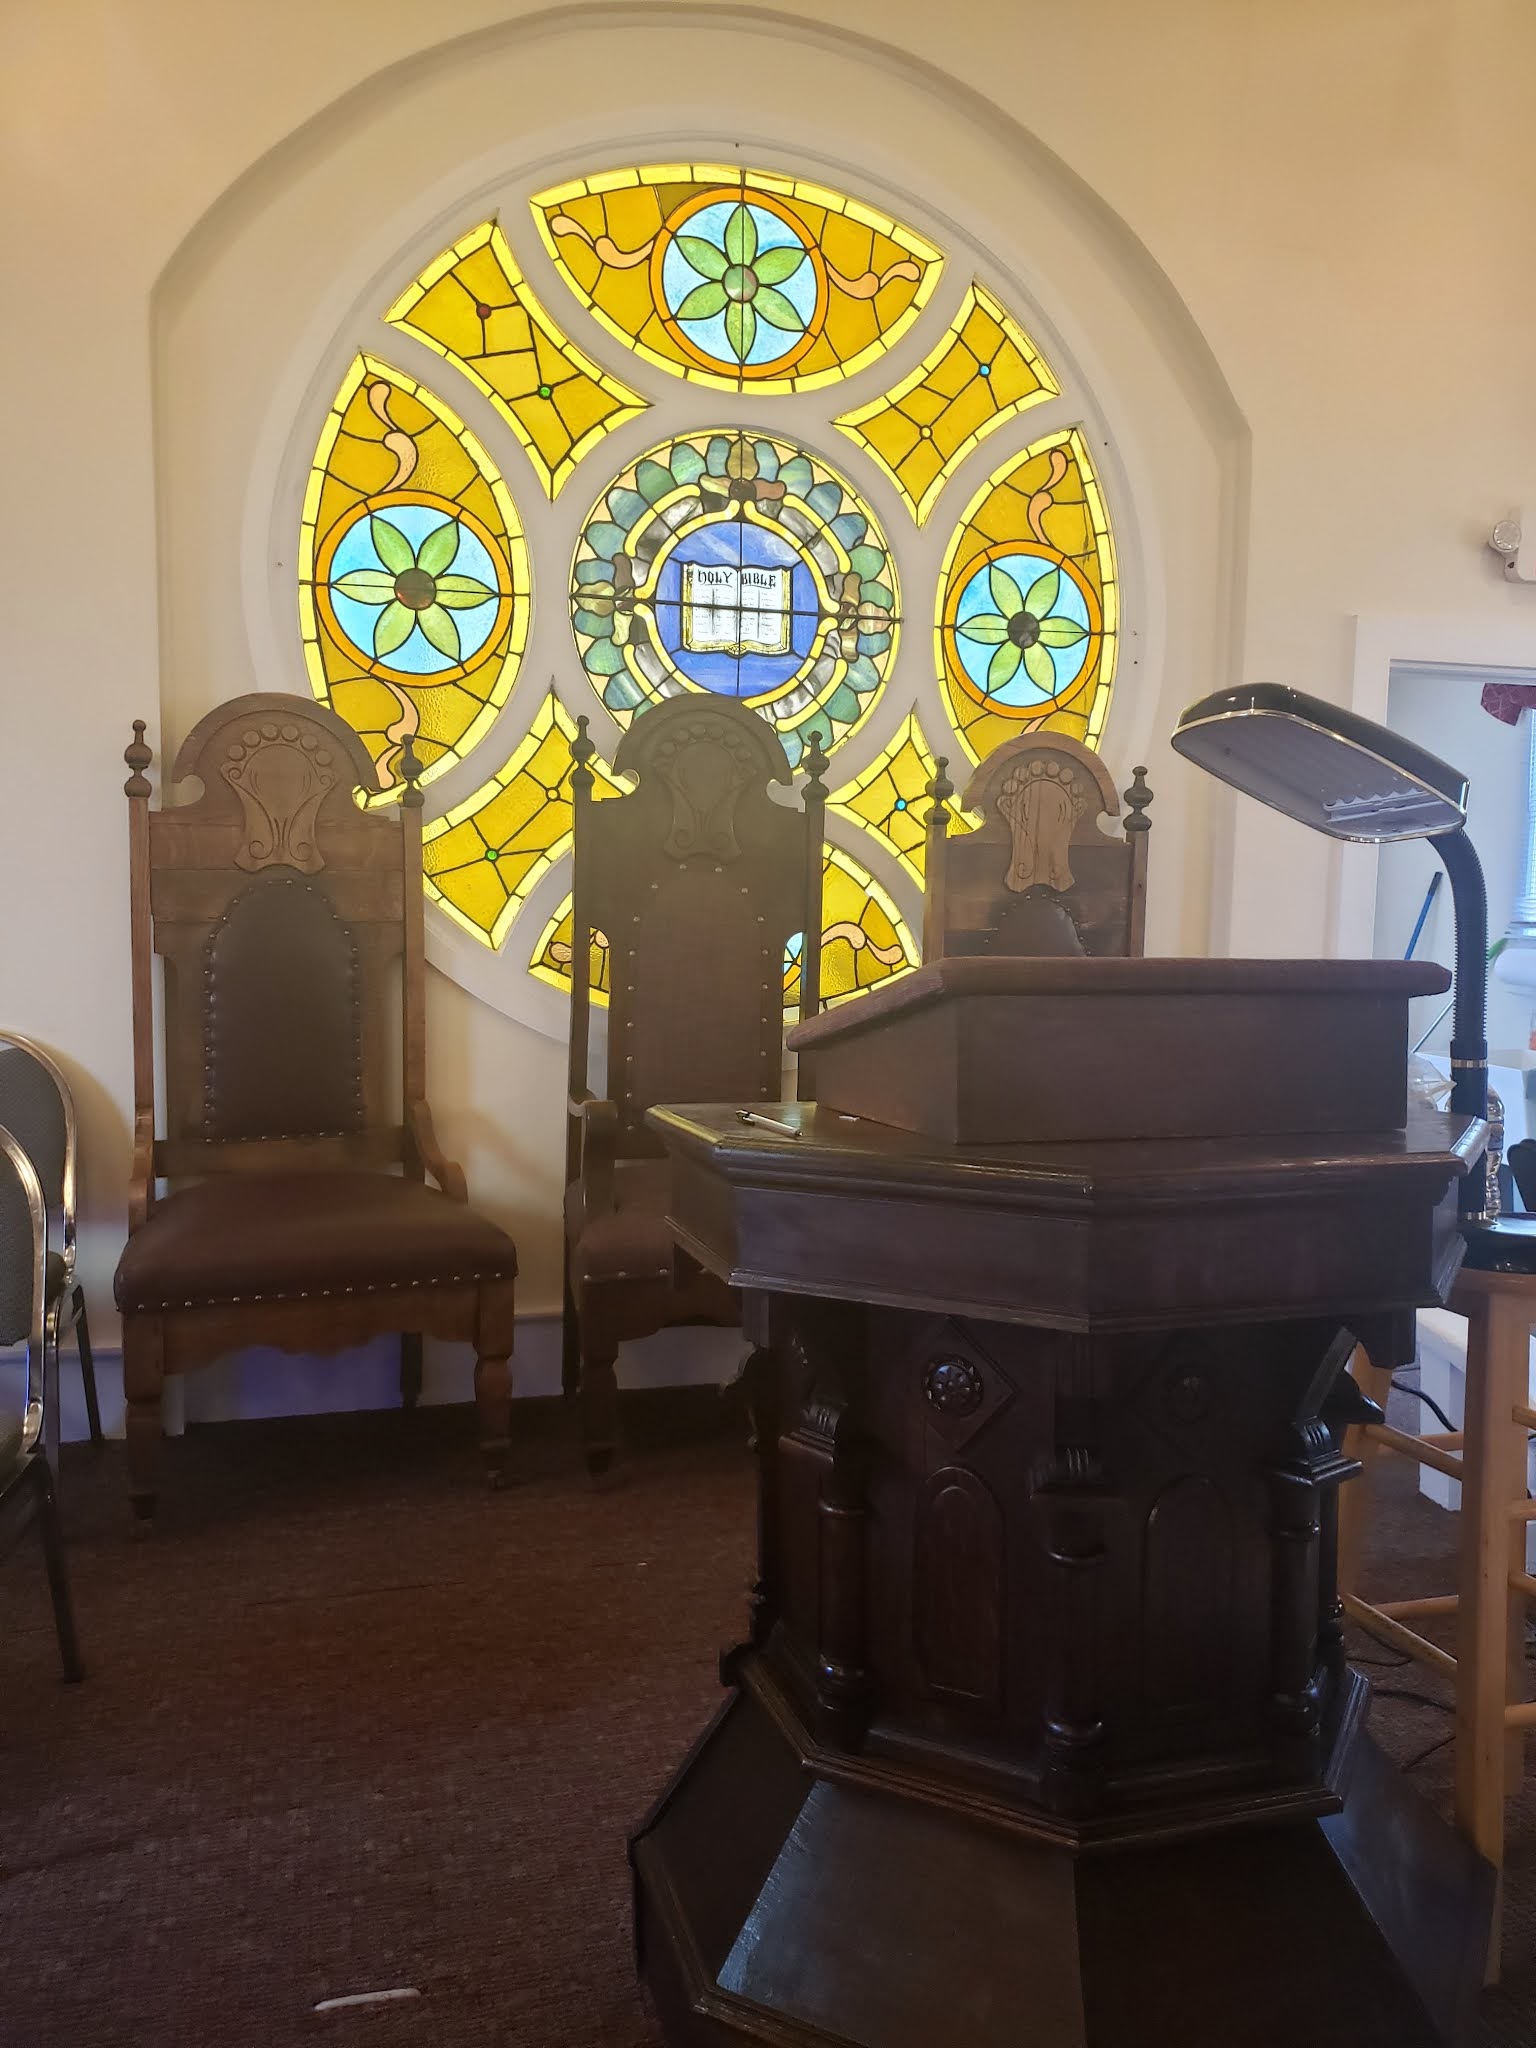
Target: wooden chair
[1039,878]
[699,880]
[26,1482]
[1488,1456]
[283,911]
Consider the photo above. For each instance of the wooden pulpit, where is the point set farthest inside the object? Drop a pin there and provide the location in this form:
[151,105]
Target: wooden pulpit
[1043,1735]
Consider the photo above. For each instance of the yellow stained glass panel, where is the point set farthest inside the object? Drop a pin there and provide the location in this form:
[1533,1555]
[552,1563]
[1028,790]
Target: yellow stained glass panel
[891,798]
[983,371]
[864,937]
[413,574]
[740,279]
[483,858]
[475,307]
[1028,612]
[551,958]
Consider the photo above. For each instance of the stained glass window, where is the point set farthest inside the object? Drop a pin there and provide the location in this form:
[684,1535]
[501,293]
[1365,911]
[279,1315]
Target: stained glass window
[736,559]
[739,564]
[979,374]
[482,859]
[1028,606]
[891,798]
[736,278]
[473,305]
[413,574]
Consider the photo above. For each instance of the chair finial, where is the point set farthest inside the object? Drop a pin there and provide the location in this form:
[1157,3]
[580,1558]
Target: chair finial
[941,789]
[138,755]
[816,764]
[583,747]
[1137,798]
[410,769]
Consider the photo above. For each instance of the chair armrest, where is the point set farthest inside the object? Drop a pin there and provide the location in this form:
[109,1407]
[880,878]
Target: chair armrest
[448,1174]
[141,1178]
[599,1144]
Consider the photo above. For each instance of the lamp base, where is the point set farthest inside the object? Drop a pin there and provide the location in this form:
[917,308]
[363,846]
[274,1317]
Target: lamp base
[1507,1245]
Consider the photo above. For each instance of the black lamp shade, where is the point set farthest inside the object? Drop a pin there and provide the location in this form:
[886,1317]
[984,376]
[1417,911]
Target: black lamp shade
[1322,765]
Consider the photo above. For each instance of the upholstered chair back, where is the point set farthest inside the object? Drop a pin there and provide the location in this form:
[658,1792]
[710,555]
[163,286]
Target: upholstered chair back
[279,904]
[699,879]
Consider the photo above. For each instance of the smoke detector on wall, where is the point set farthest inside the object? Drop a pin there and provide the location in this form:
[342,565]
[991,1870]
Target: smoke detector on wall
[1513,540]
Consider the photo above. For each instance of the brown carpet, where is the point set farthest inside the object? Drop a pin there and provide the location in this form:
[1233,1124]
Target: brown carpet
[350,1723]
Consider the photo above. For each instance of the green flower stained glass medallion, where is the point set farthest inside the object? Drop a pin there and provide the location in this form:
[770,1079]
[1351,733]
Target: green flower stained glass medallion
[1021,629]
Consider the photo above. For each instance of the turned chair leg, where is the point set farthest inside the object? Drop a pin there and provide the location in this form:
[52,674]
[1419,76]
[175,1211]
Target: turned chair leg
[143,1384]
[410,1368]
[599,1407]
[570,1336]
[87,1366]
[58,1582]
[493,1402]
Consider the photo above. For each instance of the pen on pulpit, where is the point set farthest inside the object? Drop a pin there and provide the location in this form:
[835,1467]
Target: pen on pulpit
[769,1123]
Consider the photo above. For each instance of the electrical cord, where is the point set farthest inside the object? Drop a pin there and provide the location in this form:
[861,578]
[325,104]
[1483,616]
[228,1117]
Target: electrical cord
[1418,1393]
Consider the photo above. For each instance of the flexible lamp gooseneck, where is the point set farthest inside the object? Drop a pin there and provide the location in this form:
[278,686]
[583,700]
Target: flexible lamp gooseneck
[1353,779]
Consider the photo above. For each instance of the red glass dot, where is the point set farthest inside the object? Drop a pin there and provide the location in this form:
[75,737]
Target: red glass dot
[482,312]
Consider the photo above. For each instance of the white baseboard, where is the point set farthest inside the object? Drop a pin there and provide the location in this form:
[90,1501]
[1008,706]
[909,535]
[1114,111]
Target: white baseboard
[257,1384]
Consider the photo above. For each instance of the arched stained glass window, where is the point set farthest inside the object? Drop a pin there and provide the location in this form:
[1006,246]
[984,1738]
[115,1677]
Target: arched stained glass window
[800,425]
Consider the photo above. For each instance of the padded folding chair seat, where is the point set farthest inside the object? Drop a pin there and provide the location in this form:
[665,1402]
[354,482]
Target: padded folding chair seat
[301,1237]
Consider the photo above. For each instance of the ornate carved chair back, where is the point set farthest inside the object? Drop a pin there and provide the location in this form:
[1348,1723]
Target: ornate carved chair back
[282,910]
[1039,877]
[699,879]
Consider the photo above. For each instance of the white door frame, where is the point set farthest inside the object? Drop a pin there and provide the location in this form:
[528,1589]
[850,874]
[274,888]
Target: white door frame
[1498,651]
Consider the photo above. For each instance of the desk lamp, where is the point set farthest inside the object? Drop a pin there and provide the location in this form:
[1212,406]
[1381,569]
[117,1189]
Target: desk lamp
[1353,779]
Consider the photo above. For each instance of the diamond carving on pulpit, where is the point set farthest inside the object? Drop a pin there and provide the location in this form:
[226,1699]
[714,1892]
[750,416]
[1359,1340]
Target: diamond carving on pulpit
[964,1388]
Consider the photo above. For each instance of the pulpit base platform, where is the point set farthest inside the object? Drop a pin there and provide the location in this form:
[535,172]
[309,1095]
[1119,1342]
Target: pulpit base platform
[777,1905]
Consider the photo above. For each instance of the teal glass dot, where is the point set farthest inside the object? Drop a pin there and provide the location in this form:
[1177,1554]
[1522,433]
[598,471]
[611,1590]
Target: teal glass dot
[901,803]
[986,369]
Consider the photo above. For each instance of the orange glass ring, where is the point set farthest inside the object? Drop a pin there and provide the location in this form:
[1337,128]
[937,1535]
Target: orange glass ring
[960,580]
[415,678]
[676,223]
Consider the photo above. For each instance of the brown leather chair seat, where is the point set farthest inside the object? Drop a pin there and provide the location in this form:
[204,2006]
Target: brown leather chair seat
[631,1241]
[302,1236]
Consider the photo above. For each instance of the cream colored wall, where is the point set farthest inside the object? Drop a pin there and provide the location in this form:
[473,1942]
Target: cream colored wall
[1271,230]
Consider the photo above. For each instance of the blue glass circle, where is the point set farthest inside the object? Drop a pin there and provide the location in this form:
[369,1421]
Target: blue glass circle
[750,616]
[358,620]
[679,277]
[1021,691]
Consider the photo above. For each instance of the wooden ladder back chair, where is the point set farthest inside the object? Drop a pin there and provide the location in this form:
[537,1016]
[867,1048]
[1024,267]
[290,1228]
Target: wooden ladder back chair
[1039,878]
[699,880]
[1486,1613]
[284,913]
